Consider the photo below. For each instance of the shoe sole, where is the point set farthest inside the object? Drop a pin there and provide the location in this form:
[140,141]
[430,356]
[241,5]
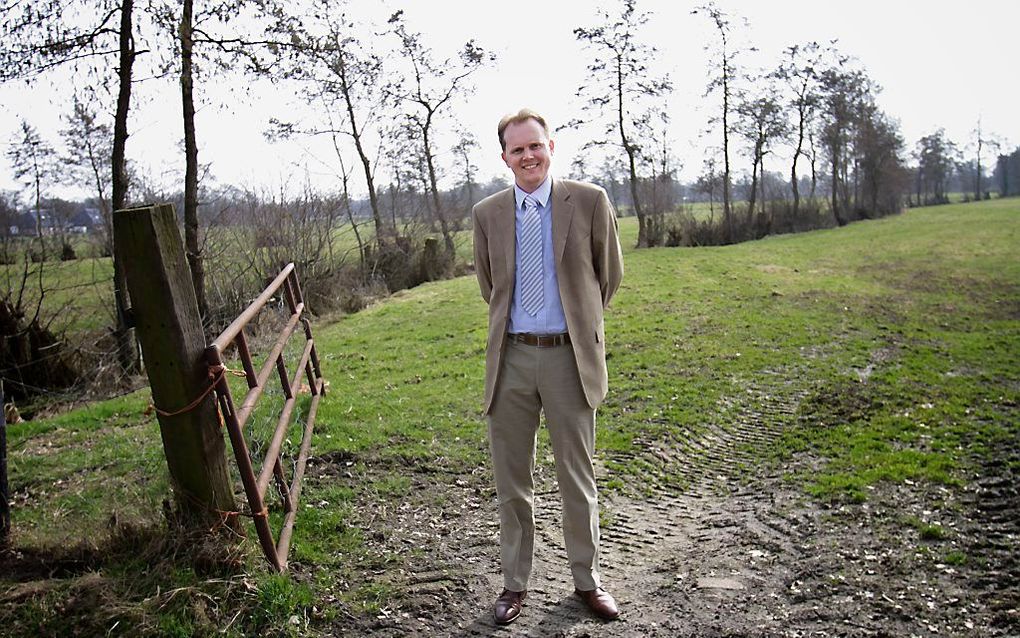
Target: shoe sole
[504,623]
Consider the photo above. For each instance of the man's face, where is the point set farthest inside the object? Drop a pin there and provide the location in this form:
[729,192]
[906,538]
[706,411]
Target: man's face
[528,153]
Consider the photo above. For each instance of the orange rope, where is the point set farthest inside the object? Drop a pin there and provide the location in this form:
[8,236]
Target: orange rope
[215,373]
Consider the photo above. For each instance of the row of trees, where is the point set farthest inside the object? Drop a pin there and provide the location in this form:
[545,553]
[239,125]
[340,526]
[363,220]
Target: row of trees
[944,167]
[795,144]
[845,157]
[817,103]
[391,107]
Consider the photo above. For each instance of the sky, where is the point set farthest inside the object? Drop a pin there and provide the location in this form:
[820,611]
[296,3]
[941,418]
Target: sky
[939,64]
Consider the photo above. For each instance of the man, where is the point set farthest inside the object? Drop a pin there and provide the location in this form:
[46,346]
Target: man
[548,261]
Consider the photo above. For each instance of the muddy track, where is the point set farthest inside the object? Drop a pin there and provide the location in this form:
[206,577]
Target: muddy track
[711,544]
[679,512]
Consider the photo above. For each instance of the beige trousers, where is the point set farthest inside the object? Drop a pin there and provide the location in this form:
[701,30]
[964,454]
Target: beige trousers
[537,379]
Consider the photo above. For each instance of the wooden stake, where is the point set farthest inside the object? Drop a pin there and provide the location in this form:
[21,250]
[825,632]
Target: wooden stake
[165,312]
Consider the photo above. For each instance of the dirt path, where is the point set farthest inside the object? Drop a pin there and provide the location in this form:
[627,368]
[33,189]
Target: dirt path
[713,550]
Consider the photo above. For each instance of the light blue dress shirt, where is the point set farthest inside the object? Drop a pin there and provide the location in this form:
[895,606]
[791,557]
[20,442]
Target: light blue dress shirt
[550,319]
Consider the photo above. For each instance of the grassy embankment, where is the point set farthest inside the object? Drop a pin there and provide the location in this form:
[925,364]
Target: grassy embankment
[901,333]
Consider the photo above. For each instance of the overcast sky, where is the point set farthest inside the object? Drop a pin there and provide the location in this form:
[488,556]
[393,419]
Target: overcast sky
[939,63]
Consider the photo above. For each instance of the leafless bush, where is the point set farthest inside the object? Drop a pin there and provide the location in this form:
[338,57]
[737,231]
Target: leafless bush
[685,229]
[33,356]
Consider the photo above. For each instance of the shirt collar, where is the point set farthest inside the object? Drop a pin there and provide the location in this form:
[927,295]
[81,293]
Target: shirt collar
[541,193]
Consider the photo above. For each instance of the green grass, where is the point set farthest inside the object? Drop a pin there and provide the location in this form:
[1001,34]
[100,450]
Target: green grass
[76,294]
[901,334]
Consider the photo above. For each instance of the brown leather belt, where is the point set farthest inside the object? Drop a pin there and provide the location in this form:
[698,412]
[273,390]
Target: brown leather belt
[542,341]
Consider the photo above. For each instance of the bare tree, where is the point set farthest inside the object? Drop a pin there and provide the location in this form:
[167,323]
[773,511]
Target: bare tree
[466,144]
[35,163]
[844,91]
[661,188]
[799,70]
[709,183]
[191,240]
[936,154]
[882,174]
[338,70]
[128,351]
[345,193]
[40,36]
[722,80]
[978,144]
[216,35]
[430,89]
[88,141]
[31,355]
[90,148]
[761,121]
[619,85]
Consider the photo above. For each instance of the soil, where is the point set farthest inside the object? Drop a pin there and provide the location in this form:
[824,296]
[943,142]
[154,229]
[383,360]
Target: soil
[719,544]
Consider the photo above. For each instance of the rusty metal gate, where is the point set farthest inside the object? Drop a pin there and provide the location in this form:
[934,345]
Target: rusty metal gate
[236,418]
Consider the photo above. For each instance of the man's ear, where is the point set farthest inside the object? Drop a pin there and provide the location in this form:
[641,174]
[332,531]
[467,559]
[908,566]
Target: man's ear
[503,155]
[552,146]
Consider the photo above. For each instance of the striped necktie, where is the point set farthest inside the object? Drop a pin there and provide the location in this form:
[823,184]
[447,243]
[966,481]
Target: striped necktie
[531,258]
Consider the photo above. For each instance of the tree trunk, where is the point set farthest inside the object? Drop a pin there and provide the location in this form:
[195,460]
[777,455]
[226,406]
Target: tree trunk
[380,230]
[727,208]
[814,167]
[643,230]
[835,188]
[38,202]
[127,347]
[5,510]
[796,155]
[354,227]
[856,201]
[977,176]
[766,208]
[437,207]
[191,242]
[754,181]
[1005,180]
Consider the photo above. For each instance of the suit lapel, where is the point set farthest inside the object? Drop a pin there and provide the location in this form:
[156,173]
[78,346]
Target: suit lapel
[562,213]
[506,229]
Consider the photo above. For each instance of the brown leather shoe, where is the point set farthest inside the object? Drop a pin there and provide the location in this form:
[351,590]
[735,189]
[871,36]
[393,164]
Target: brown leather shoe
[600,603]
[508,606]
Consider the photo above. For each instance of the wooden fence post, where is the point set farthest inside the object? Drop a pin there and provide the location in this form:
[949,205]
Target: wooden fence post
[165,313]
[5,509]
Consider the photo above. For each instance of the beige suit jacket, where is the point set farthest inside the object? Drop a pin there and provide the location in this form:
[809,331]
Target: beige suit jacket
[589,267]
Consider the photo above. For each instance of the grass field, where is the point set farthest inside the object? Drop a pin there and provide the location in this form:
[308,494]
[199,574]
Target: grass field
[899,336]
[78,294]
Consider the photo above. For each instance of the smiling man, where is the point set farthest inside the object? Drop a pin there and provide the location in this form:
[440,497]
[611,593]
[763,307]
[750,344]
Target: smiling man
[548,260]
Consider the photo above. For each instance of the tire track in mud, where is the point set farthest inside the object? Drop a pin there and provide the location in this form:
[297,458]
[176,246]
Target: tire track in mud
[713,543]
[994,534]
[662,550]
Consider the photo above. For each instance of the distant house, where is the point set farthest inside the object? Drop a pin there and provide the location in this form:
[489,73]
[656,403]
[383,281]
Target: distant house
[24,224]
[86,220]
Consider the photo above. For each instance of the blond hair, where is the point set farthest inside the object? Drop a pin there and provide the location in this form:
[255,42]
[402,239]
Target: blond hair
[518,118]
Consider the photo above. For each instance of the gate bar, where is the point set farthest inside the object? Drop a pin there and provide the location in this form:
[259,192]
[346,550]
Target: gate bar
[281,426]
[295,491]
[227,336]
[244,467]
[248,403]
